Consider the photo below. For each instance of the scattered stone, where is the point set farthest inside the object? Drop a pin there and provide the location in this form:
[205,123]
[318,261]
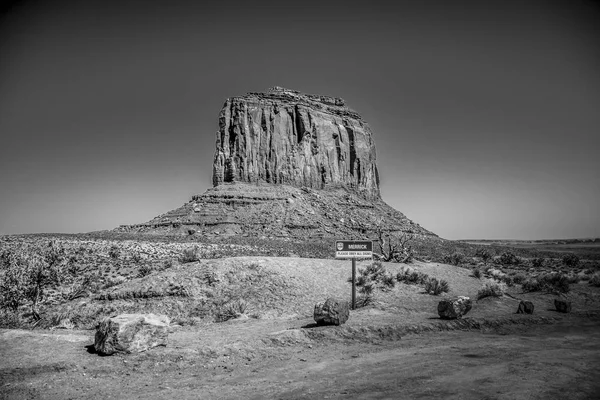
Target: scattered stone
[128,333]
[332,312]
[525,307]
[562,305]
[455,307]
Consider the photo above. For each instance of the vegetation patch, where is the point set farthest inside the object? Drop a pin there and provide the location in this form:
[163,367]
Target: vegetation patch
[434,286]
[491,289]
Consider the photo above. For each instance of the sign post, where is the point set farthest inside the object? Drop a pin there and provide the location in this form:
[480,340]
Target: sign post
[353,249]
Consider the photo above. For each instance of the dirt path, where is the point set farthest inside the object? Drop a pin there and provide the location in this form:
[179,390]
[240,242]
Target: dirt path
[262,359]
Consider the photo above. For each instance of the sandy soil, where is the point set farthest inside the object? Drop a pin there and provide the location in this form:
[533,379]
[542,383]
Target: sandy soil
[396,348]
[281,359]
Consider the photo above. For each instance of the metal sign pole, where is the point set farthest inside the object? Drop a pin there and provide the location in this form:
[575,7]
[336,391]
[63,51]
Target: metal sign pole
[354,283]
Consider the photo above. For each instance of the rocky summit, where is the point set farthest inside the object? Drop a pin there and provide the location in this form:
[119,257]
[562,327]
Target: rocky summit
[288,165]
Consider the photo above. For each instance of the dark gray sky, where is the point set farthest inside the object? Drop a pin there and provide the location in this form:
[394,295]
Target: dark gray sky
[486,114]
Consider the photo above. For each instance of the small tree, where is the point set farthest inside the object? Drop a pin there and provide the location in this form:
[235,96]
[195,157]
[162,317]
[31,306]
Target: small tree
[27,273]
[394,249]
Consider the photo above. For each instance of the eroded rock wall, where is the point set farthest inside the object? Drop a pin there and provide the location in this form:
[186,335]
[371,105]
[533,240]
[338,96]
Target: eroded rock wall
[287,137]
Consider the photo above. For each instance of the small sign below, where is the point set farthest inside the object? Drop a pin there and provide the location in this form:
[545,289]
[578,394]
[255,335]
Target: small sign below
[353,249]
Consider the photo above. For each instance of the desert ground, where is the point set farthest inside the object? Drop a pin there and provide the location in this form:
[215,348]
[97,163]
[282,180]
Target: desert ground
[243,327]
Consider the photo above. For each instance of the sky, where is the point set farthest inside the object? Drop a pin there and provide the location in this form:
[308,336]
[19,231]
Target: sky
[486,115]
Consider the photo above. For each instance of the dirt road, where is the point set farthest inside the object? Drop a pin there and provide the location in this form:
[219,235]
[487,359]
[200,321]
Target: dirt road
[560,360]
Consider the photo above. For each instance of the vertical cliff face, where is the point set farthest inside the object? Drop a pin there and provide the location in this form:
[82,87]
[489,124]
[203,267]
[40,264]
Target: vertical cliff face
[287,137]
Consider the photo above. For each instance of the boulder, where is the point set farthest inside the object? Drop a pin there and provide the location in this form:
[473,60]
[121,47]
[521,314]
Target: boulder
[562,305]
[525,307]
[455,307]
[332,312]
[128,333]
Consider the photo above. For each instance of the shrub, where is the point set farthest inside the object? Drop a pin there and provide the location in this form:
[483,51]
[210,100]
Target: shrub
[519,278]
[538,262]
[509,280]
[230,310]
[491,289]
[508,258]
[554,282]
[144,270]
[136,258]
[477,273]
[410,276]
[435,287]
[595,279]
[114,252]
[363,301]
[532,285]
[376,275]
[191,254]
[570,260]
[484,254]
[454,258]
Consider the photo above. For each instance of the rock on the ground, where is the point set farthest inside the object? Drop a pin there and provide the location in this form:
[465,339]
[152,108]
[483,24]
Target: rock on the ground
[332,312]
[562,305]
[303,140]
[525,307]
[455,307]
[128,333]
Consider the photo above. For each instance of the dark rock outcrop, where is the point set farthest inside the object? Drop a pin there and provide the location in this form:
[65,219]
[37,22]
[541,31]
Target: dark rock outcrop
[454,308]
[287,137]
[332,312]
[525,307]
[128,333]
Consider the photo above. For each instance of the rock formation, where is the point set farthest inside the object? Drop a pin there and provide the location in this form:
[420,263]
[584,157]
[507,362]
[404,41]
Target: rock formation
[288,166]
[287,137]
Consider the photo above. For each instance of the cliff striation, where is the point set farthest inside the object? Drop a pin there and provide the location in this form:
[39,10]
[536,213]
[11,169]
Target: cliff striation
[287,137]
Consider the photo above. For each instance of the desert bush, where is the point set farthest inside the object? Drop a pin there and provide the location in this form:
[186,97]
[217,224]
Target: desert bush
[144,270]
[570,260]
[10,319]
[532,285]
[168,264]
[509,258]
[114,252]
[454,258]
[136,258]
[411,276]
[26,274]
[230,310]
[477,273]
[434,286]
[538,262]
[553,282]
[484,254]
[375,274]
[191,254]
[519,278]
[595,279]
[364,300]
[491,289]
[556,282]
